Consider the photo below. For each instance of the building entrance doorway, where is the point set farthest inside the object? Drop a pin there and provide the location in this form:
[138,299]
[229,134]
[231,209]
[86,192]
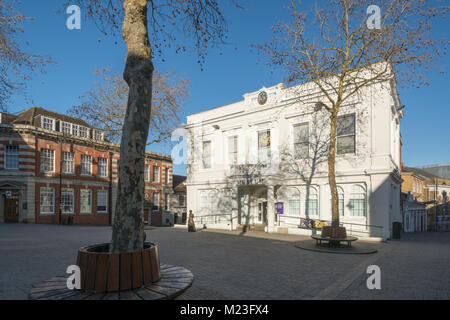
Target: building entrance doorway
[11,210]
[262,212]
[147,217]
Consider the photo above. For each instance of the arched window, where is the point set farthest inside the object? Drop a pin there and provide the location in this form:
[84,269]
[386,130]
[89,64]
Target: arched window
[291,197]
[357,202]
[311,203]
[341,201]
[207,201]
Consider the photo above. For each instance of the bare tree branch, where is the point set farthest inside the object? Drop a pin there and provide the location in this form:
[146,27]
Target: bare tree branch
[104,106]
[334,49]
[16,65]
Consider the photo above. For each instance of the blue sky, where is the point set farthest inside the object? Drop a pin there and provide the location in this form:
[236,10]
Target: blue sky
[225,78]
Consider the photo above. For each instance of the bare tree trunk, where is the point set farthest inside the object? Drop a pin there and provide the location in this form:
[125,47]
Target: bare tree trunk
[332,171]
[128,227]
[307,200]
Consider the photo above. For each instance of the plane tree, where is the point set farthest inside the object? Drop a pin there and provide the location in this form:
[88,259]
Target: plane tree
[104,106]
[343,46]
[148,27]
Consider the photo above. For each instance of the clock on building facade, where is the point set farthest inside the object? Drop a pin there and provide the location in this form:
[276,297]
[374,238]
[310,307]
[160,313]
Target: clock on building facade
[262,98]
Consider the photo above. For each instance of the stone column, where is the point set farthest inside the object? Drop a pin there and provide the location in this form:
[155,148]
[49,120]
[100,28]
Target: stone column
[324,203]
[270,209]
[234,207]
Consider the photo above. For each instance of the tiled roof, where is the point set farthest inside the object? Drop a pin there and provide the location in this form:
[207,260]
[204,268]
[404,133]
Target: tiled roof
[418,172]
[29,117]
[7,118]
[440,170]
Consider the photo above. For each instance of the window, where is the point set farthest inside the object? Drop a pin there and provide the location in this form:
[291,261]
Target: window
[358,202]
[85,201]
[341,202]
[47,201]
[102,201]
[232,150]
[346,129]
[66,127]
[48,123]
[155,201]
[75,130]
[311,204]
[206,198]
[156,174]
[264,146]
[84,133]
[67,200]
[12,157]
[68,165]
[86,164]
[290,196]
[166,201]
[102,167]
[181,200]
[98,135]
[301,141]
[206,154]
[294,207]
[47,160]
[166,176]
[147,173]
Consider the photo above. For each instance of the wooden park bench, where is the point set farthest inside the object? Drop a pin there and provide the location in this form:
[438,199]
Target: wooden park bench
[334,236]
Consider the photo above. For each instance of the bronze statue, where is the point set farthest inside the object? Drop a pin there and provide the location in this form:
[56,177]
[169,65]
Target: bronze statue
[191,223]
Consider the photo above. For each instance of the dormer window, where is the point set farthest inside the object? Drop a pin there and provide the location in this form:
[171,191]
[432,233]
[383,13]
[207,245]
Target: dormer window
[98,135]
[83,132]
[75,129]
[66,127]
[48,123]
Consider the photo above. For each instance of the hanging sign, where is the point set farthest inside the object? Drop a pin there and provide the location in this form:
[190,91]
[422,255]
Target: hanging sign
[280,207]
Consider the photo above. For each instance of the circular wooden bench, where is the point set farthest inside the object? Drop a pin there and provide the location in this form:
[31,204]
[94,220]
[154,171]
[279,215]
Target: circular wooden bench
[173,282]
[334,241]
[334,236]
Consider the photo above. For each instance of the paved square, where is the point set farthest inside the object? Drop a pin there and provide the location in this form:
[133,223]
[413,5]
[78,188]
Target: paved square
[228,265]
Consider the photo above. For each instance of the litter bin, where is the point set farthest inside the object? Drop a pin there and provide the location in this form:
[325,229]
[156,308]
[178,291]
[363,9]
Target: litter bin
[396,230]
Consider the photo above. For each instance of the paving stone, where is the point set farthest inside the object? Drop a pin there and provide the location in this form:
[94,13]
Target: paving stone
[227,265]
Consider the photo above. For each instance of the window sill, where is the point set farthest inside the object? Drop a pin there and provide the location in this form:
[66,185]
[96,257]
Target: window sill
[86,213]
[46,214]
[289,216]
[102,212]
[347,155]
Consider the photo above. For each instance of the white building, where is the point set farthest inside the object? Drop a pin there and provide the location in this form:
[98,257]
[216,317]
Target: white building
[414,215]
[245,157]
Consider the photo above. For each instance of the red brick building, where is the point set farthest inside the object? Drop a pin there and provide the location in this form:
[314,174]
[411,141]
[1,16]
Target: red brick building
[56,169]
